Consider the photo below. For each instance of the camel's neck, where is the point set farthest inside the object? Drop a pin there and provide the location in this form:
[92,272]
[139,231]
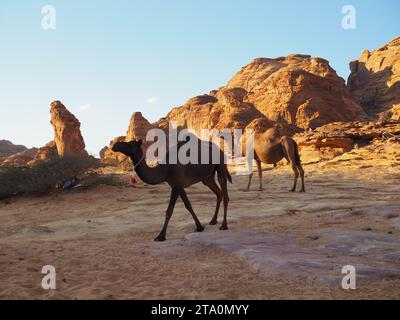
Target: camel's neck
[155,175]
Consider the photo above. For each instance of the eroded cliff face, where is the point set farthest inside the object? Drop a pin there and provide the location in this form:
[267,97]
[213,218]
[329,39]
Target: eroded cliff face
[374,81]
[67,133]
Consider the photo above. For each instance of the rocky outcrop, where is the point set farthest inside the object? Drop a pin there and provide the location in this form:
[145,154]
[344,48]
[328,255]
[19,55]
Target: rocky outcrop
[47,152]
[298,89]
[334,139]
[7,148]
[68,140]
[20,158]
[110,157]
[220,109]
[137,129]
[67,133]
[375,81]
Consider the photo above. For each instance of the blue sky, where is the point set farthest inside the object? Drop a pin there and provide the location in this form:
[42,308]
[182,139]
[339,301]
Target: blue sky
[107,59]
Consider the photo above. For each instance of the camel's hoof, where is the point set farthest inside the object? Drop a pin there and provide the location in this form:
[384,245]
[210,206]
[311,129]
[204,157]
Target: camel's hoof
[246,190]
[260,189]
[302,190]
[199,229]
[223,228]
[292,190]
[213,222]
[160,238]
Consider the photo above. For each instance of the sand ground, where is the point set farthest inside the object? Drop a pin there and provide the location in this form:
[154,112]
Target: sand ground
[100,239]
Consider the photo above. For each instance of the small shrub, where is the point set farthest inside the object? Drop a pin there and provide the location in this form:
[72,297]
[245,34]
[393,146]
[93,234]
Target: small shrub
[42,176]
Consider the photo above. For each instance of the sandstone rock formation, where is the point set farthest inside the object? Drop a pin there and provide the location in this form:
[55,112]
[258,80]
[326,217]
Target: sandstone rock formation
[334,139]
[7,148]
[138,128]
[20,158]
[298,90]
[47,152]
[67,133]
[67,140]
[375,80]
[220,109]
[110,157]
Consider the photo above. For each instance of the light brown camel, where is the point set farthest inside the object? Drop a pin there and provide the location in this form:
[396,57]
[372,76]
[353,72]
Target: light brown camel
[270,147]
[180,176]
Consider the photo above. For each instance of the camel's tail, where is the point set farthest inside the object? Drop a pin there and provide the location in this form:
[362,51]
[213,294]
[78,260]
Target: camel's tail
[222,171]
[228,175]
[296,153]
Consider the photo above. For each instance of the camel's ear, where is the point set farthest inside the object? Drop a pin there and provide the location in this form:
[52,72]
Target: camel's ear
[140,142]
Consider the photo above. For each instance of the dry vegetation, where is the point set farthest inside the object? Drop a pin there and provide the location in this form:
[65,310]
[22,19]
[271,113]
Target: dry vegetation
[43,176]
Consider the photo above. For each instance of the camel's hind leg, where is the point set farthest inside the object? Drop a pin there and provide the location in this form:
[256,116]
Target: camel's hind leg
[223,182]
[168,214]
[259,174]
[296,176]
[301,172]
[182,192]
[291,155]
[298,164]
[248,184]
[214,188]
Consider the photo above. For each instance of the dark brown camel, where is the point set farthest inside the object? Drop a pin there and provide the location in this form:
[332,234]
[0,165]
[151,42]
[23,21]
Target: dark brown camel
[271,147]
[180,176]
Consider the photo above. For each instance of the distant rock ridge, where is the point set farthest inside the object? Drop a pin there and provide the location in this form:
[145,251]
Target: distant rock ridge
[7,148]
[20,158]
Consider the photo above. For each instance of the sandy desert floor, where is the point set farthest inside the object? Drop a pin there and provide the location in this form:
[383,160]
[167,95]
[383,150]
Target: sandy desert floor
[280,245]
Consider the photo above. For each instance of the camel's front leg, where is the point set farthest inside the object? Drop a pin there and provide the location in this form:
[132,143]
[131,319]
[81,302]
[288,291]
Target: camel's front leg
[168,214]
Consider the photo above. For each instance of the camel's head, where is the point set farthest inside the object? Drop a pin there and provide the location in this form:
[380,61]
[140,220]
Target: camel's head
[128,148]
[260,125]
